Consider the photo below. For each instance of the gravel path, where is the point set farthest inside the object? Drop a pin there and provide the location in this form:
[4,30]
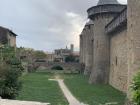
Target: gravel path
[71,99]
[15,102]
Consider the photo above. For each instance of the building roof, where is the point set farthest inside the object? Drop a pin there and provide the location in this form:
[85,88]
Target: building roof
[119,22]
[8,30]
[103,2]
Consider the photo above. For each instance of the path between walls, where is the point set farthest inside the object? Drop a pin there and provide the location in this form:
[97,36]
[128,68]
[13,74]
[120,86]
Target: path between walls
[71,99]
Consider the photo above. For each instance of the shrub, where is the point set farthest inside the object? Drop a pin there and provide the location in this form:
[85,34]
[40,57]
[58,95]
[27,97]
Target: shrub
[9,80]
[136,89]
[10,71]
[57,68]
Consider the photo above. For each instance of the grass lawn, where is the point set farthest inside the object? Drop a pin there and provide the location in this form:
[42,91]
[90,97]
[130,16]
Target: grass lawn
[92,94]
[37,87]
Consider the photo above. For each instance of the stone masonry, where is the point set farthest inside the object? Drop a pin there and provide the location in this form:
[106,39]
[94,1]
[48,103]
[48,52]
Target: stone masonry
[110,48]
[101,15]
[133,36]
[118,60]
[88,34]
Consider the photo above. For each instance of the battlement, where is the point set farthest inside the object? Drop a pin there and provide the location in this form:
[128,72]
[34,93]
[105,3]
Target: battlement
[104,9]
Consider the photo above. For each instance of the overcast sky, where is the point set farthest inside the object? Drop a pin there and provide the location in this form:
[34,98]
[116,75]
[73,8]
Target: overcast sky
[46,24]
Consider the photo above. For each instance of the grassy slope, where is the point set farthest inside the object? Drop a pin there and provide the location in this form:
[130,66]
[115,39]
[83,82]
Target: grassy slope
[92,94]
[36,87]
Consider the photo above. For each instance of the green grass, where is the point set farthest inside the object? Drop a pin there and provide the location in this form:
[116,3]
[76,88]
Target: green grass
[37,87]
[92,94]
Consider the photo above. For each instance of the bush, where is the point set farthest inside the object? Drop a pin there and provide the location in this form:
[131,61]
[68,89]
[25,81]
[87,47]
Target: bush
[57,68]
[10,71]
[9,80]
[136,89]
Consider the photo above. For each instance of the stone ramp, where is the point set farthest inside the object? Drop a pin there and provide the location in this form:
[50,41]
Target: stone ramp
[16,102]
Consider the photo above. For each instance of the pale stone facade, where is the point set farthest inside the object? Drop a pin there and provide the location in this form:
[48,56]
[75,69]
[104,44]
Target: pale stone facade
[11,39]
[50,57]
[61,54]
[113,45]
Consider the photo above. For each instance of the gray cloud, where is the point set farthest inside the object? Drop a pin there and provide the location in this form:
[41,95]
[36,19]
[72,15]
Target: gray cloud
[45,24]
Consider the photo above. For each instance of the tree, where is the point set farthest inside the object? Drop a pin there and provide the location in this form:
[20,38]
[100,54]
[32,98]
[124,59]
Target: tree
[10,71]
[70,58]
[40,55]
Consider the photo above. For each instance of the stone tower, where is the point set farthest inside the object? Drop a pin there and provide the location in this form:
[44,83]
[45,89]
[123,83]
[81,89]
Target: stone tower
[72,48]
[102,14]
[83,46]
[89,47]
[133,40]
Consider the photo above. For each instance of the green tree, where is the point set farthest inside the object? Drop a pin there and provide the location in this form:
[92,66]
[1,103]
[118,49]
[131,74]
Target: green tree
[40,54]
[10,71]
[70,58]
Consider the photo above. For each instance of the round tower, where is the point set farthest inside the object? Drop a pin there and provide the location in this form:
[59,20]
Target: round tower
[102,14]
[83,49]
[72,48]
[89,52]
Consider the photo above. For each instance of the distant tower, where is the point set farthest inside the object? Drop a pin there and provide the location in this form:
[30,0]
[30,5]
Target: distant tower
[72,48]
[102,14]
[66,47]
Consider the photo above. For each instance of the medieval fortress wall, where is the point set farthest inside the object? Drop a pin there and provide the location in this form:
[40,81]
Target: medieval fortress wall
[118,60]
[110,43]
[133,37]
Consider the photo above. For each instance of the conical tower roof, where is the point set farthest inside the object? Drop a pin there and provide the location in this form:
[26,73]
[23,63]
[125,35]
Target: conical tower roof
[103,2]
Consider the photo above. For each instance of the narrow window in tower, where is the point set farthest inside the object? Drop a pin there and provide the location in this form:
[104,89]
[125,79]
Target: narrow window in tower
[116,60]
[92,43]
[97,43]
[92,40]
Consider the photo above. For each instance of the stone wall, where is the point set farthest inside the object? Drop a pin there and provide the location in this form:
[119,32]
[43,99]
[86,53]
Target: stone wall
[66,66]
[115,57]
[11,40]
[133,36]
[118,60]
